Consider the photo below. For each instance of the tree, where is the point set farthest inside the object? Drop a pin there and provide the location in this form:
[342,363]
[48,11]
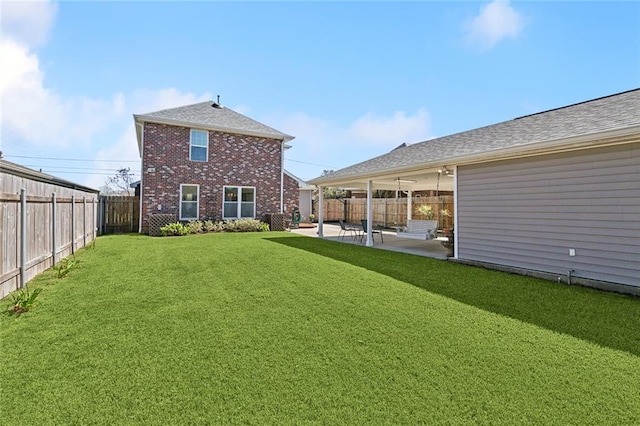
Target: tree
[120,183]
[332,191]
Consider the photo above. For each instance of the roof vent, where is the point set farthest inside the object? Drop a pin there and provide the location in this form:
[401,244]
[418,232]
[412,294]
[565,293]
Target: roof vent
[217,104]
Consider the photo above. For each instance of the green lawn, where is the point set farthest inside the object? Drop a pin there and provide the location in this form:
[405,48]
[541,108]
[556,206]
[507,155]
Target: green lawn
[273,328]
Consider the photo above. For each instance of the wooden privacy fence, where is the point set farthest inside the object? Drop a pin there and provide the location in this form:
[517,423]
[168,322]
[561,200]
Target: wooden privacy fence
[118,213]
[389,212]
[38,231]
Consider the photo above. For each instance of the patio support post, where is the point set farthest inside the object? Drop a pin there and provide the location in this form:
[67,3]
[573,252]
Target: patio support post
[369,212]
[409,205]
[320,211]
[456,231]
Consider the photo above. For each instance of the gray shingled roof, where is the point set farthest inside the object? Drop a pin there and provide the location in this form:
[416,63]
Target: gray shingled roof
[598,115]
[203,114]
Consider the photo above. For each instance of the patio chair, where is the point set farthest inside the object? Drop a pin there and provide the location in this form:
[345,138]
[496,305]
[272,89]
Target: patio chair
[344,228]
[374,230]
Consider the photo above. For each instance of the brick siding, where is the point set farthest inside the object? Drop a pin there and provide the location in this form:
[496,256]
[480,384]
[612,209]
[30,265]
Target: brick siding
[233,160]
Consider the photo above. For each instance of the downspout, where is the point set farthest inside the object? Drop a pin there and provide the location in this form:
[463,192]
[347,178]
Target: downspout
[141,175]
[282,178]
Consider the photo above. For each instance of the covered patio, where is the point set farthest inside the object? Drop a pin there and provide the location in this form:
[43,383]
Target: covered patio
[431,248]
[437,179]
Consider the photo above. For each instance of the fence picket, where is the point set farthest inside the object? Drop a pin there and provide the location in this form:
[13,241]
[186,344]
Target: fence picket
[388,211]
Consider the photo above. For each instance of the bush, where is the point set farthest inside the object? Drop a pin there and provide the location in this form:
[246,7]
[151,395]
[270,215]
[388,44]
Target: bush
[174,229]
[243,225]
[195,226]
[211,226]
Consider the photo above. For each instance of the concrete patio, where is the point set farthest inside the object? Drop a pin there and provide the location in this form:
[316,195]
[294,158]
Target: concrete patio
[431,248]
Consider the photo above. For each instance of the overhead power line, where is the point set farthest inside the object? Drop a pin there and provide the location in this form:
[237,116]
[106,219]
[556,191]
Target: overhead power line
[44,170]
[40,166]
[71,159]
[305,162]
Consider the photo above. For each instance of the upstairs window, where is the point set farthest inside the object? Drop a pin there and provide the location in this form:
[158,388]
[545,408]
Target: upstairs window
[199,145]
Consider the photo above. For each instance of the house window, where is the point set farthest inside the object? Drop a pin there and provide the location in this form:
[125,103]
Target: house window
[189,202]
[199,145]
[239,202]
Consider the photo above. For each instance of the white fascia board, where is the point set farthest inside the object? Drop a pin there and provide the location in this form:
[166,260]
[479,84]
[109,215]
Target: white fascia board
[590,140]
[147,119]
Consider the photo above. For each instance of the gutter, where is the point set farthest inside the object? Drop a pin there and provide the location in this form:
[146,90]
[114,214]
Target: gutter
[282,177]
[552,146]
[142,171]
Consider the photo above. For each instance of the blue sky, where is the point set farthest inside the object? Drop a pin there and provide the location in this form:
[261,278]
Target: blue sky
[351,80]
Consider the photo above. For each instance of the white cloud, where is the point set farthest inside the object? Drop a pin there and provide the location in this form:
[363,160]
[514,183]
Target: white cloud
[390,131]
[323,145]
[496,21]
[150,100]
[124,152]
[38,121]
[32,112]
[315,132]
[28,22]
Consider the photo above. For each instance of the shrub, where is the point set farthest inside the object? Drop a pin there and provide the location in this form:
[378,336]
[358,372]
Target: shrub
[174,229]
[211,226]
[243,225]
[195,227]
[22,300]
[426,210]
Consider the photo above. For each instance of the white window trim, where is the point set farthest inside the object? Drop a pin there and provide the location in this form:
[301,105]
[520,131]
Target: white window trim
[238,201]
[191,145]
[197,201]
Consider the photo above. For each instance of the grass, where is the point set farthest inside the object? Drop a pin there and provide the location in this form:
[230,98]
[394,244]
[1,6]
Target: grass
[279,329]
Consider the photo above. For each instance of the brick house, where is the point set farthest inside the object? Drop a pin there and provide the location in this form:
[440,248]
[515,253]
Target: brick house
[206,161]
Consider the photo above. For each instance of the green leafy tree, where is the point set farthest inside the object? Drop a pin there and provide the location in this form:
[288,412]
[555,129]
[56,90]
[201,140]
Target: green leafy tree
[332,191]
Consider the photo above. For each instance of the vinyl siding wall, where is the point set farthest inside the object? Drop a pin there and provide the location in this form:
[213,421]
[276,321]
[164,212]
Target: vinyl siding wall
[527,213]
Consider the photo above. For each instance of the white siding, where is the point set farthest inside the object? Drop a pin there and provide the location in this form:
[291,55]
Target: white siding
[527,213]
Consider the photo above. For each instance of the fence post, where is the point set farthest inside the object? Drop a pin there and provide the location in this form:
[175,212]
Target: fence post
[23,236]
[84,221]
[53,227]
[99,216]
[73,224]
[131,201]
[94,204]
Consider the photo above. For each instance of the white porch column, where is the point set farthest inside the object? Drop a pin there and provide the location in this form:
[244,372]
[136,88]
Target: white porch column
[320,211]
[369,212]
[455,212]
[409,205]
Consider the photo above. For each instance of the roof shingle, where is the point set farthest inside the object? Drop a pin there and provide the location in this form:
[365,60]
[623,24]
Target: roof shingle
[204,114]
[608,113]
